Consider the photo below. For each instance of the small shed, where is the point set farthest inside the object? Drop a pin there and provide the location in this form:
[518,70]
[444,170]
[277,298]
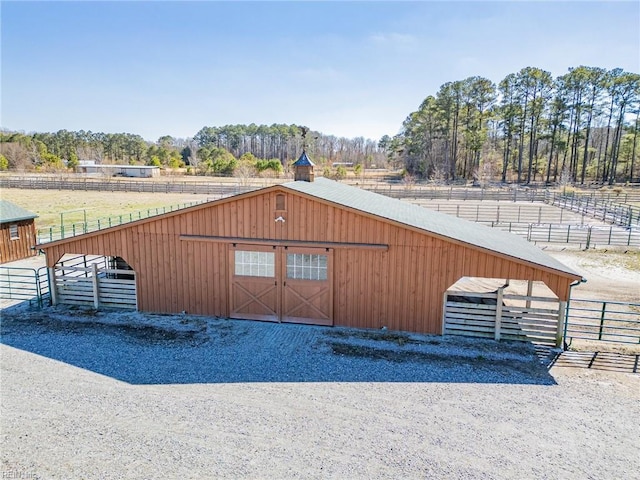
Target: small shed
[138,171]
[309,251]
[18,232]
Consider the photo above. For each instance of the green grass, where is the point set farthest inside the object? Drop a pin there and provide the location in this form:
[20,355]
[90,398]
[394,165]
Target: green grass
[49,204]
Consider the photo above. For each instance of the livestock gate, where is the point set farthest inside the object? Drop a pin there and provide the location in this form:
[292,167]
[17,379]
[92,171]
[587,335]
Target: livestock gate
[95,281]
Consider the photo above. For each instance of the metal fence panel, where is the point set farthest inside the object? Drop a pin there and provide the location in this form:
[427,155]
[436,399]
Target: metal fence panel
[605,321]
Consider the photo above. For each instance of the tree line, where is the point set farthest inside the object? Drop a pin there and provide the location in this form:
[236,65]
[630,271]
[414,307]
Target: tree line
[530,127]
[581,126]
[212,150]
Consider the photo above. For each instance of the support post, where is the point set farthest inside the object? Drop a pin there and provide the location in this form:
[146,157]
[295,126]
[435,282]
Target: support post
[51,274]
[560,328]
[94,279]
[499,313]
[529,292]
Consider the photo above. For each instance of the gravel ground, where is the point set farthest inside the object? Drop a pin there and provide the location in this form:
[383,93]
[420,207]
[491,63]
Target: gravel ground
[124,395]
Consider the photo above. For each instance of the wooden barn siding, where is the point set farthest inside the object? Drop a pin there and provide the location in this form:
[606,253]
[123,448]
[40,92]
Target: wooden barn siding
[401,288]
[11,250]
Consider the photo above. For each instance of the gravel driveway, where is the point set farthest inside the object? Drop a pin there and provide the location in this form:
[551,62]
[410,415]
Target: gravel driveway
[126,395]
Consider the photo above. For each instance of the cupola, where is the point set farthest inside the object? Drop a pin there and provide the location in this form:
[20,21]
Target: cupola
[303,169]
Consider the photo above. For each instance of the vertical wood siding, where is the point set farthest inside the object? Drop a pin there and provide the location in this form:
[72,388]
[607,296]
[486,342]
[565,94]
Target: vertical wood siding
[401,288]
[11,250]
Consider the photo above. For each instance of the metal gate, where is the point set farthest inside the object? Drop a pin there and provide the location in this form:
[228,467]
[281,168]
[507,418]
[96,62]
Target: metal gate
[24,284]
[603,321]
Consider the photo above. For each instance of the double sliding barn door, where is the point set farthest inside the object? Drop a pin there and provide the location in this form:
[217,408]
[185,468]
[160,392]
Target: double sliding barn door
[281,284]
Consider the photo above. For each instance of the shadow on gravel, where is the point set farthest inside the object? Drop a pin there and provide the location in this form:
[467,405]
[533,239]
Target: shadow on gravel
[179,349]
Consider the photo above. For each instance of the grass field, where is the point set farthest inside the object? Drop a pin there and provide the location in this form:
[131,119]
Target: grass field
[49,204]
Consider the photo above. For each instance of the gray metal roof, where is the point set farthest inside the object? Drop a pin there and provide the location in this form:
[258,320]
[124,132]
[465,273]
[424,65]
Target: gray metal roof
[10,212]
[471,233]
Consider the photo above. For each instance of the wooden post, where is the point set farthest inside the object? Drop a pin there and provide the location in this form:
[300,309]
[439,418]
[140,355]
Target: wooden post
[52,285]
[560,326]
[498,313]
[94,279]
[444,311]
[529,292]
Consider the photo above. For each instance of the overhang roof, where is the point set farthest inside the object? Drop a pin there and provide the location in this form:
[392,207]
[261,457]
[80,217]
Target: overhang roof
[440,224]
[10,212]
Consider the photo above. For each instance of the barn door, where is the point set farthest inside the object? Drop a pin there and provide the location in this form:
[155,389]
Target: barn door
[255,292]
[307,289]
[281,284]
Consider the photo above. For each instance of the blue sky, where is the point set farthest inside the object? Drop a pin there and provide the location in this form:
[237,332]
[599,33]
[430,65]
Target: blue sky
[342,68]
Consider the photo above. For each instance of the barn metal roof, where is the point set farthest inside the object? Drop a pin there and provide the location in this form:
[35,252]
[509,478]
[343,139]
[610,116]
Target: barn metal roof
[437,223]
[10,212]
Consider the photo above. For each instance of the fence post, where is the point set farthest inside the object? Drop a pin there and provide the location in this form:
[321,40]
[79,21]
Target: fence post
[602,315]
[560,328]
[94,279]
[588,237]
[498,313]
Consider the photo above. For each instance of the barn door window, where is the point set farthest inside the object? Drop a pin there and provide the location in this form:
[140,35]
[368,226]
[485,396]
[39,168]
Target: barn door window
[255,264]
[280,202]
[303,266]
[13,232]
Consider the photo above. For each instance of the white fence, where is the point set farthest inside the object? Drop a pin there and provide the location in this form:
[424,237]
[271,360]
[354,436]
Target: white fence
[504,316]
[94,285]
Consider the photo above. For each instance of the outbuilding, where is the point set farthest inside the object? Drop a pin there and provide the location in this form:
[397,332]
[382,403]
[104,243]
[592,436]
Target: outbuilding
[18,235]
[311,251]
[139,171]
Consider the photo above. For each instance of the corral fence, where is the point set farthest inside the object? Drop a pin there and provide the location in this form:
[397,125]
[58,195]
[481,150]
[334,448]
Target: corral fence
[24,284]
[497,315]
[49,234]
[598,208]
[209,187]
[94,281]
[603,321]
[586,236]
[121,185]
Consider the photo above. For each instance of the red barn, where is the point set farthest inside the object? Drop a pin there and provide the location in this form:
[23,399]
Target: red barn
[311,251]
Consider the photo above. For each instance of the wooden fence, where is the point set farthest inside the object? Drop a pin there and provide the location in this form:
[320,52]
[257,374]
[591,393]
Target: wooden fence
[503,316]
[93,283]
[213,186]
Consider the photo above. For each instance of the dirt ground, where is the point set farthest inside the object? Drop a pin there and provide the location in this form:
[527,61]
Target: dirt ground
[612,274]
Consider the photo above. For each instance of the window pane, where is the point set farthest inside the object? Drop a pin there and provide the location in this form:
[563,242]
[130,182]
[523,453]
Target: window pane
[254,264]
[302,266]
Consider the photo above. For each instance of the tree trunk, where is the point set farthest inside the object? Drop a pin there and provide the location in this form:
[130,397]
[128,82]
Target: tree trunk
[633,150]
[553,139]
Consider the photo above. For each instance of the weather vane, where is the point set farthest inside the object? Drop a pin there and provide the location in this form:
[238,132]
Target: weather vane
[304,131]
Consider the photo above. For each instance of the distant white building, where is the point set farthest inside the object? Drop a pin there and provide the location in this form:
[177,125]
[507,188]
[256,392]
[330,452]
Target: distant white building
[139,171]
